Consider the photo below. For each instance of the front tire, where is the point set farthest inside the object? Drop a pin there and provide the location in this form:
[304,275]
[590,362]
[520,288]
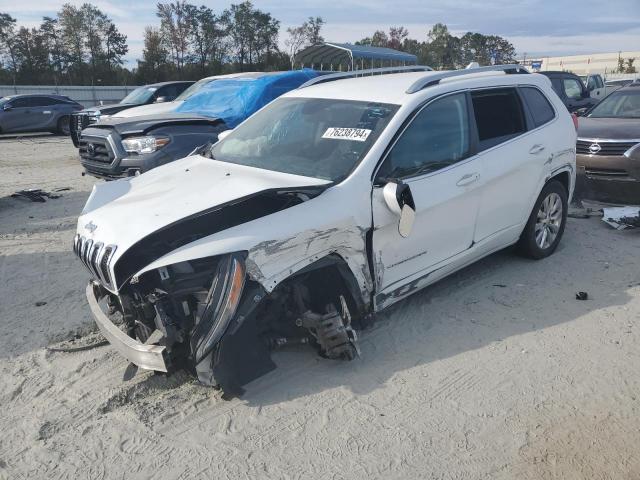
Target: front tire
[546,223]
[63,125]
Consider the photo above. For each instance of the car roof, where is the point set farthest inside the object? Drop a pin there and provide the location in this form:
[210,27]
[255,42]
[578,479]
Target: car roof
[558,72]
[392,88]
[161,84]
[244,75]
[49,95]
[632,87]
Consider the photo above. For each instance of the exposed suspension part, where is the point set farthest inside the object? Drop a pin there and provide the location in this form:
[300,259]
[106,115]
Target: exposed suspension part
[332,331]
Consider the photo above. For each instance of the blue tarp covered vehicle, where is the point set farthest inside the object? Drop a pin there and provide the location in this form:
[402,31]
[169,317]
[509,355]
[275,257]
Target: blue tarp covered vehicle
[234,99]
[125,146]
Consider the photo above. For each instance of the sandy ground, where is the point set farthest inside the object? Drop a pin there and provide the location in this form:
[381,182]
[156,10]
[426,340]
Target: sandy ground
[494,373]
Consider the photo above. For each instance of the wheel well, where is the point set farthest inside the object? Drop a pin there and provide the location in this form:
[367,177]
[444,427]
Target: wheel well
[563,178]
[334,270]
[324,281]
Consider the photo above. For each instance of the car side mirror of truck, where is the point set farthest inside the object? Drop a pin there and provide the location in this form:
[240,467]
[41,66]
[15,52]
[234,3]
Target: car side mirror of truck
[161,100]
[585,93]
[6,107]
[224,134]
[398,197]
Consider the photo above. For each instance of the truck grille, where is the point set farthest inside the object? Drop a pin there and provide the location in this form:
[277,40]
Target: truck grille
[80,121]
[95,149]
[96,256]
[588,147]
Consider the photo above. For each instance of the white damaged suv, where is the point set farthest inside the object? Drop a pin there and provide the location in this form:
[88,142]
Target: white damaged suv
[329,204]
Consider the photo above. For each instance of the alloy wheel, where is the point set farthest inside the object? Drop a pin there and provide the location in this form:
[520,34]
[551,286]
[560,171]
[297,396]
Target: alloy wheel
[549,220]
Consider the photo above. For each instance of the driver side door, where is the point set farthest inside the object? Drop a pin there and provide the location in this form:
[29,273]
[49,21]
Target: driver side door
[17,117]
[435,157]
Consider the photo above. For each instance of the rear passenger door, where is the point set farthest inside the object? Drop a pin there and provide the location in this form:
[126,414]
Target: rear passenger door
[513,155]
[43,113]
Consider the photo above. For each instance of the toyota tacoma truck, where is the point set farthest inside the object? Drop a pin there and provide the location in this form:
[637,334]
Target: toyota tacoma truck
[330,204]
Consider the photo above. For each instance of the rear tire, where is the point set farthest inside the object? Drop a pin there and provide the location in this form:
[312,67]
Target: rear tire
[63,125]
[546,223]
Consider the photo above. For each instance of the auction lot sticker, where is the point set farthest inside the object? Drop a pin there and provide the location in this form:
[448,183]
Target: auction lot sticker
[355,134]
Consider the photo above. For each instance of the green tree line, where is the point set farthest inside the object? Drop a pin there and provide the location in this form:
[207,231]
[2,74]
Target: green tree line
[81,45]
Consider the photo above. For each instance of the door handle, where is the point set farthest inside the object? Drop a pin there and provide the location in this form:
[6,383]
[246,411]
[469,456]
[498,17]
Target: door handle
[468,179]
[536,149]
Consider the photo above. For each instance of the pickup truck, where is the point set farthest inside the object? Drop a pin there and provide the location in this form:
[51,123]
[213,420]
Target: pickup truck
[596,86]
[571,90]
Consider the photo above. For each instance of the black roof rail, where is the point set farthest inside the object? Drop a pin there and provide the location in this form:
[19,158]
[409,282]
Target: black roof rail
[435,78]
[363,73]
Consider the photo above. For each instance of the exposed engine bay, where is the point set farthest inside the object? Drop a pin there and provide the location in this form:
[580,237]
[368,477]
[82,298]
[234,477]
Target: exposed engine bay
[214,320]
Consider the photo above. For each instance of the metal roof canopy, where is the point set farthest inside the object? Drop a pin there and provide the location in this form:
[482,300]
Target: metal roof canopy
[333,55]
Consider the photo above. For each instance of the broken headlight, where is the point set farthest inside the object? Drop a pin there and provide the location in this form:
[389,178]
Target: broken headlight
[141,145]
[220,305]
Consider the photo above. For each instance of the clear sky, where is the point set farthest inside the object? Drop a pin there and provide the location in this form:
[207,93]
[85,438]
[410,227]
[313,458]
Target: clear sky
[537,27]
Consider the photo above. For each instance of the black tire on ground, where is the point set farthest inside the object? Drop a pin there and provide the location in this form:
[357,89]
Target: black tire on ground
[545,226]
[63,126]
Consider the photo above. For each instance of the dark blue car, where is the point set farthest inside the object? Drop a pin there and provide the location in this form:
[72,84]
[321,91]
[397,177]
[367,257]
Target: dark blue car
[36,113]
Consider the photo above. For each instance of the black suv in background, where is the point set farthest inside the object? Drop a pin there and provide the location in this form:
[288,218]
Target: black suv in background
[571,91]
[153,93]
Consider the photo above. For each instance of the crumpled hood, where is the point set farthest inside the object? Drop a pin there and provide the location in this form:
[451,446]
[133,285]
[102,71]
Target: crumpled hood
[125,211]
[151,109]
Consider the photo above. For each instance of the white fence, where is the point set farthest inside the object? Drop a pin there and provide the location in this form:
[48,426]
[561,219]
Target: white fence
[87,96]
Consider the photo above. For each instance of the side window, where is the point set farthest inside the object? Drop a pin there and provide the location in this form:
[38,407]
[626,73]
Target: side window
[499,116]
[181,87]
[572,88]
[170,92]
[42,102]
[540,108]
[599,82]
[437,137]
[20,103]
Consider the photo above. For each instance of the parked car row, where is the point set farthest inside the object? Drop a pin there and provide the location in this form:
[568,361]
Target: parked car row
[334,201]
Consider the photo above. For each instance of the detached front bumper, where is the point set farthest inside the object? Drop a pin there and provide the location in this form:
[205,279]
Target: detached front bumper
[149,357]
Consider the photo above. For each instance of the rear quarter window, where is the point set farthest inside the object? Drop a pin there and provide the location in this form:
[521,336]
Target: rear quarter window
[538,105]
[499,116]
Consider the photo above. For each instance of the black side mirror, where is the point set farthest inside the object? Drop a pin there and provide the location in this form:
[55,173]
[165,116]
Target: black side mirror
[6,107]
[585,93]
[398,197]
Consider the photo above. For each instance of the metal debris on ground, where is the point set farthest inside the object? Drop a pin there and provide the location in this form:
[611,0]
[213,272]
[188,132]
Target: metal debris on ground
[582,296]
[79,343]
[38,195]
[622,218]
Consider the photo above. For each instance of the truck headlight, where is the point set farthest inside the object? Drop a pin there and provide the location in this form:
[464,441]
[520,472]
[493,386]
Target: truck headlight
[140,145]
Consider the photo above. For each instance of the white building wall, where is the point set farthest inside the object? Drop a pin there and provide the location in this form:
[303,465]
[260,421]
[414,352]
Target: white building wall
[603,63]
